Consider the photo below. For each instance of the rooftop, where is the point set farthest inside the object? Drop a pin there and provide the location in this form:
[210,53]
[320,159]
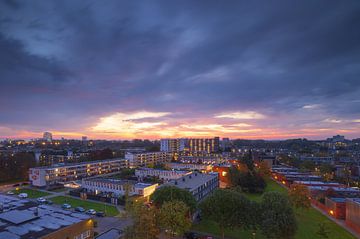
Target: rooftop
[192,181]
[118,182]
[23,219]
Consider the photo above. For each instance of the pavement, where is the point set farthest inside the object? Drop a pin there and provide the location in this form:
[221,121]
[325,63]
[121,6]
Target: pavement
[106,223]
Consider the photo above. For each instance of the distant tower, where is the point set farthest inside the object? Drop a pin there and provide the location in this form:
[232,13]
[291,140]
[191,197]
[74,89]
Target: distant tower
[84,138]
[47,136]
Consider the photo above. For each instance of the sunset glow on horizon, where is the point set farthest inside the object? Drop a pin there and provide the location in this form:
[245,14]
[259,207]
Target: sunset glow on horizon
[125,70]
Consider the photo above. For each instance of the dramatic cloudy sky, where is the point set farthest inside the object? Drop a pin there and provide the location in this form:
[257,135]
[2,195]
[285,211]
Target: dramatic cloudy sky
[151,69]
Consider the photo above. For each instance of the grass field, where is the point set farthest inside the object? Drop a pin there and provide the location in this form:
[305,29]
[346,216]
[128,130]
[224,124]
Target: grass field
[32,193]
[110,210]
[308,222]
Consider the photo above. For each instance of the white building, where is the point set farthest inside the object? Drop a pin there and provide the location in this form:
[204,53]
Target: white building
[200,185]
[47,136]
[189,166]
[118,187]
[147,159]
[173,145]
[45,176]
[165,175]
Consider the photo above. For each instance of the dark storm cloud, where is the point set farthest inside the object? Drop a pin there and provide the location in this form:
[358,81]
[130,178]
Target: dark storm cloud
[75,61]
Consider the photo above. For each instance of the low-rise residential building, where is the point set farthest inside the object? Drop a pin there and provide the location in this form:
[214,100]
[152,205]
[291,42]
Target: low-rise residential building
[118,187]
[190,166]
[50,175]
[336,207]
[147,159]
[165,175]
[199,184]
[318,160]
[24,219]
[353,213]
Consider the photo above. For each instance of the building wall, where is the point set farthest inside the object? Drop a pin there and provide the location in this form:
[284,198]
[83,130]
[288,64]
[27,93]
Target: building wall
[335,209]
[85,228]
[44,176]
[353,214]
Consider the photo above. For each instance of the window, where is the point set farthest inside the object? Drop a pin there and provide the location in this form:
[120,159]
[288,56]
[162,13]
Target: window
[83,235]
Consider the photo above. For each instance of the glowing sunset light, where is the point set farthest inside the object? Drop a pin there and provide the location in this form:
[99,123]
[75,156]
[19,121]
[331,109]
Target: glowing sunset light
[241,115]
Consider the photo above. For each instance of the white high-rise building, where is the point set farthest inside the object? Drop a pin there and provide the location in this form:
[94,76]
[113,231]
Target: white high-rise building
[173,145]
[47,136]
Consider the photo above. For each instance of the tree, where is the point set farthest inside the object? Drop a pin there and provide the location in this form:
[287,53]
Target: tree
[145,224]
[299,196]
[174,218]
[263,168]
[170,193]
[278,218]
[234,176]
[229,209]
[322,231]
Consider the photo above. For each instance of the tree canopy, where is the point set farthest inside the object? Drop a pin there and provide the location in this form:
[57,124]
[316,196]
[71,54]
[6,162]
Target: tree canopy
[174,218]
[228,208]
[170,193]
[277,216]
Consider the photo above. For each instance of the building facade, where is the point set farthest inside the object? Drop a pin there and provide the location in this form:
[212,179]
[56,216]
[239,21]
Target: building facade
[147,159]
[209,145]
[46,176]
[353,213]
[173,145]
[200,185]
[165,175]
[118,187]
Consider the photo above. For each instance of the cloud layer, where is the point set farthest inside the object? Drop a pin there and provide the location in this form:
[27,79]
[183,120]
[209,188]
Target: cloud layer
[126,69]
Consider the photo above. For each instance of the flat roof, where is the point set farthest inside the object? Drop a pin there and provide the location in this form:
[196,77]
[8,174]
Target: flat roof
[110,234]
[118,182]
[161,170]
[24,219]
[192,181]
[338,199]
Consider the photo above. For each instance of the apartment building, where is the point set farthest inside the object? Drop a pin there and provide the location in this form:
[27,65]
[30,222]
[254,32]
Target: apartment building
[199,184]
[209,145]
[190,167]
[147,159]
[118,187]
[46,176]
[24,219]
[165,175]
[173,145]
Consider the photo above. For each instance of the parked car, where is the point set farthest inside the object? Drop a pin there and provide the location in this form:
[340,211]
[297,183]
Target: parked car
[23,195]
[79,209]
[66,206]
[49,202]
[100,214]
[10,193]
[41,200]
[91,212]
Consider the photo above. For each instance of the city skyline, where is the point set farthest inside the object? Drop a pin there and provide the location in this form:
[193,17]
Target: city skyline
[125,70]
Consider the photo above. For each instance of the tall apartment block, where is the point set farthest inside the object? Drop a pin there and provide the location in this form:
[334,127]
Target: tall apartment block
[135,160]
[208,145]
[173,145]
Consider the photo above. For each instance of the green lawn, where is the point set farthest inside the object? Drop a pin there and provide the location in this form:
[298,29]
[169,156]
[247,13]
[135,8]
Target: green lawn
[110,210]
[308,221]
[32,193]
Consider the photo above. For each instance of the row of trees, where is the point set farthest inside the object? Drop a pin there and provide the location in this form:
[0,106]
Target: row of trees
[246,177]
[16,166]
[170,214]
[274,215]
